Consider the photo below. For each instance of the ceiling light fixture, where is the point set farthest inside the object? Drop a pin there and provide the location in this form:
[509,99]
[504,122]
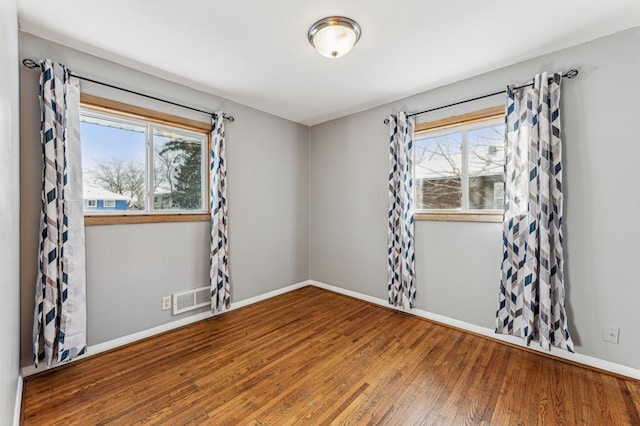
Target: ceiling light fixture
[333,37]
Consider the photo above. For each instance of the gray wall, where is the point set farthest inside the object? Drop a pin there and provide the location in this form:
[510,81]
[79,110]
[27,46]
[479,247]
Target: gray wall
[10,208]
[458,263]
[130,267]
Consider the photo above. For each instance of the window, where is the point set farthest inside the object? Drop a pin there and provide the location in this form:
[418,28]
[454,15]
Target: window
[459,167]
[141,167]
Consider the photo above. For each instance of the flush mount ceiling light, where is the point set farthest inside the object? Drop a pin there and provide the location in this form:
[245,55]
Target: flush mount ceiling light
[333,37]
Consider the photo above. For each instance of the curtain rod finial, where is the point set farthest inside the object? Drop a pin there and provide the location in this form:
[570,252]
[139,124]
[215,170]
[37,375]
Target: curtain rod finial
[30,63]
[229,118]
[572,73]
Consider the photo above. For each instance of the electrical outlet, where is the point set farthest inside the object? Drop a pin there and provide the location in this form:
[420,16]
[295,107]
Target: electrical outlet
[611,334]
[166,303]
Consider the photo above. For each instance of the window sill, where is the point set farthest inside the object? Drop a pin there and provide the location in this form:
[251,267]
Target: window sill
[113,219]
[459,216]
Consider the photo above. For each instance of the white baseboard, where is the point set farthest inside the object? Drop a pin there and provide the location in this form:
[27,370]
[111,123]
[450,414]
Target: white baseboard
[18,404]
[30,370]
[269,295]
[574,357]
[559,353]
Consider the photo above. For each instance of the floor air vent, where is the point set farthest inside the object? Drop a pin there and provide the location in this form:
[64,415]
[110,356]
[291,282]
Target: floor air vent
[191,299]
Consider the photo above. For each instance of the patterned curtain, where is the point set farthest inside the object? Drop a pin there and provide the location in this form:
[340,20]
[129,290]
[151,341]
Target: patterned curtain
[400,270]
[60,316]
[219,273]
[531,297]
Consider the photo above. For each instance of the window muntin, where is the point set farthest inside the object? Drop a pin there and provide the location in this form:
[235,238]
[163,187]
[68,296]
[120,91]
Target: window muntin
[460,169]
[132,161]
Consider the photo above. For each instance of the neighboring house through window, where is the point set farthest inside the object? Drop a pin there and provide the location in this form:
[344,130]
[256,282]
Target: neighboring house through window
[459,167]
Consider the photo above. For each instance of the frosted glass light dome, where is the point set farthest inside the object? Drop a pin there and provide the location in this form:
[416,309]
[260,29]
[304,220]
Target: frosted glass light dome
[333,37]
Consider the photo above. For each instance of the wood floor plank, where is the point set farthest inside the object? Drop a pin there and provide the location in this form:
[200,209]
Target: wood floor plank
[315,357]
[630,392]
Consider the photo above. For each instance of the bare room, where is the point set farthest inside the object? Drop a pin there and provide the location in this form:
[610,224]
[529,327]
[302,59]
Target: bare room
[364,212]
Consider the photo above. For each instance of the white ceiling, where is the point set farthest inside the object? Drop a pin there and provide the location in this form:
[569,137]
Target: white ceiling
[255,52]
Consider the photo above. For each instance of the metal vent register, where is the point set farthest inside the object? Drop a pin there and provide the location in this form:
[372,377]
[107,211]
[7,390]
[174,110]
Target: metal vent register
[191,299]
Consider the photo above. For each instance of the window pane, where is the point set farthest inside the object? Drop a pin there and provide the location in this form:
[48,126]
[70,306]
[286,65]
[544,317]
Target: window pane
[177,174]
[438,172]
[486,168]
[113,159]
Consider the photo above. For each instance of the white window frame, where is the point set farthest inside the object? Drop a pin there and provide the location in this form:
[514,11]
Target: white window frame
[149,162]
[112,204]
[464,213]
[92,204]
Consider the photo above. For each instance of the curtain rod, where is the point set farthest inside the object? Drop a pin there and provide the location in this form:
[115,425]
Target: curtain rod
[569,74]
[31,64]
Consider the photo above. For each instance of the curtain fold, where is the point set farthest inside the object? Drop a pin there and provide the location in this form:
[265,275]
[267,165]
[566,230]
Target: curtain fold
[531,297]
[401,258]
[59,326]
[219,273]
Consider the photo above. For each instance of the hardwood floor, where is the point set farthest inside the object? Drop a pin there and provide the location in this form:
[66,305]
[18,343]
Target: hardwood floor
[316,357]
